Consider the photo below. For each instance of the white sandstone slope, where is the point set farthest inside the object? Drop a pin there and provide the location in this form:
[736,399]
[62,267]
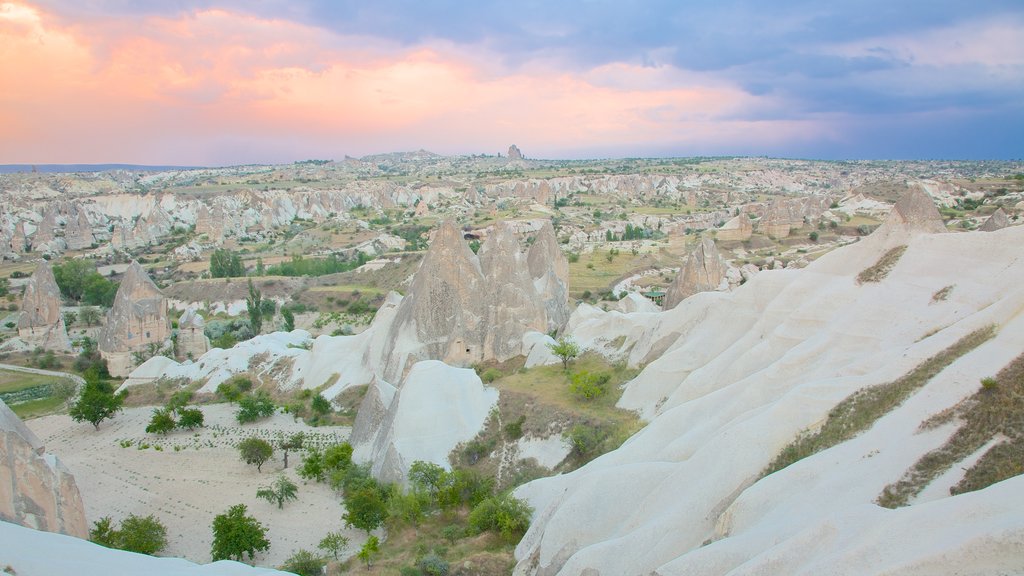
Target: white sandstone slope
[739,375]
[30,552]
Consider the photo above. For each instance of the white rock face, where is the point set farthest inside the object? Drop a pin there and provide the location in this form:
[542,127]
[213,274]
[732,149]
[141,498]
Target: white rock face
[411,430]
[41,322]
[26,552]
[36,490]
[740,374]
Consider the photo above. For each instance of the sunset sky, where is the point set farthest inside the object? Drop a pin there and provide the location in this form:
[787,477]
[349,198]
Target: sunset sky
[193,82]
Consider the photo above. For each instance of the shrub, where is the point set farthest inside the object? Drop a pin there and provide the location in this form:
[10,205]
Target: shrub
[161,422]
[491,374]
[433,565]
[588,385]
[514,430]
[504,514]
[304,563]
[254,407]
[142,534]
[235,534]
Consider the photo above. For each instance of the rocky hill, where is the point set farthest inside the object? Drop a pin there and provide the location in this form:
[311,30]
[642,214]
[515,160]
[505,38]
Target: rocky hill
[905,325]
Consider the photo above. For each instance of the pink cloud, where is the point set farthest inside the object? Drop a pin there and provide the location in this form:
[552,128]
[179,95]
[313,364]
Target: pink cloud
[221,87]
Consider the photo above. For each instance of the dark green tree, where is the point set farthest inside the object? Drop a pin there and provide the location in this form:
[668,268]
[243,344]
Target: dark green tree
[142,534]
[255,451]
[365,508]
[190,418]
[289,319]
[235,534]
[254,304]
[225,264]
[97,402]
[320,405]
[253,407]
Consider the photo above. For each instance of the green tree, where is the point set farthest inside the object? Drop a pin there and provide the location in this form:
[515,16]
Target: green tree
[225,264]
[161,422]
[304,563]
[235,534]
[427,476]
[190,418]
[145,535]
[97,402]
[334,543]
[254,304]
[289,319]
[253,407]
[142,534]
[365,508]
[90,315]
[70,317]
[320,405]
[255,451]
[98,291]
[293,442]
[566,349]
[369,550]
[281,490]
[71,277]
[312,467]
[337,457]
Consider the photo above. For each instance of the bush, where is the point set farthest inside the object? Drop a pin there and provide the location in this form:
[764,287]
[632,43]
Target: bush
[161,422]
[235,535]
[190,418]
[514,430]
[433,565]
[254,407]
[504,514]
[588,385]
[491,374]
[304,563]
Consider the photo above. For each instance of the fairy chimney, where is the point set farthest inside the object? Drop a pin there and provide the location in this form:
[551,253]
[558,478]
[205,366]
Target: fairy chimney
[41,323]
[137,320]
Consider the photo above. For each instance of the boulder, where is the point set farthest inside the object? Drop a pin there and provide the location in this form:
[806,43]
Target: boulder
[41,323]
[137,320]
[703,271]
[36,490]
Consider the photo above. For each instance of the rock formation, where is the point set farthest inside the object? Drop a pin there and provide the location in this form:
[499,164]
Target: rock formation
[36,490]
[514,153]
[137,320]
[703,271]
[41,323]
[549,269]
[737,229]
[78,231]
[996,221]
[192,340]
[512,303]
[915,212]
[443,316]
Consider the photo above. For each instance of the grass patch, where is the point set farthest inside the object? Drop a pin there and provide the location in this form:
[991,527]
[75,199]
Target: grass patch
[37,408]
[538,403]
[996,409]
[33,395]
[858,411]
[595,273]
[879,270]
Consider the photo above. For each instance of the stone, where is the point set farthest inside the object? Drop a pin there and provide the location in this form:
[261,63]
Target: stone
[549,268]
[703,271]
[41,323]
[78,231]
[192,339]
[514,153]
[36,490]
[137,320]
[996,221]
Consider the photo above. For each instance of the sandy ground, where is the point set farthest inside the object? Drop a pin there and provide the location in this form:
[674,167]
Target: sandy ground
[186,488]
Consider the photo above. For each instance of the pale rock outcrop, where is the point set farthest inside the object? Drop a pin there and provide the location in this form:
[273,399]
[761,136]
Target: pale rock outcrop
[433,392]
[549,269]
[738,228]
[743,373]
[703,271]
[137,319]
[36,490]
[41,323]
[192,339]
[915,212]
[78,231]
[512,304]
[514,153]
[997,221]
[444,316]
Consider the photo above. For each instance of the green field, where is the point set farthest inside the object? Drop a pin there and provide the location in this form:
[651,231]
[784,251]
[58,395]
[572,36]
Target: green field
[35,386]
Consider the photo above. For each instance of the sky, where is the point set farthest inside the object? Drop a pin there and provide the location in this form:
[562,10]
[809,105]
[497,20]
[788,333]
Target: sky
[198,82]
